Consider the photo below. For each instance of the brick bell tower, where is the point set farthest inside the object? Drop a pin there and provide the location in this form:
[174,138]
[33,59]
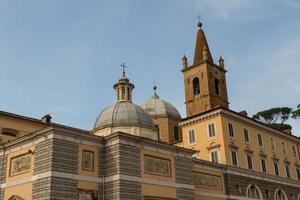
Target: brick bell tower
[204,81]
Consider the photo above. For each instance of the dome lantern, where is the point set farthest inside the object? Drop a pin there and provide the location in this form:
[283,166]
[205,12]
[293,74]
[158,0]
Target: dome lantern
[124,87]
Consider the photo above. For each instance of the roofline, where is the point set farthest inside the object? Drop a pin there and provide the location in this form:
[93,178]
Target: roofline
[38,121]
[223,110]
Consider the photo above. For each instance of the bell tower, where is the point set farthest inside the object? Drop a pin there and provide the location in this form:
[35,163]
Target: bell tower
[204,81]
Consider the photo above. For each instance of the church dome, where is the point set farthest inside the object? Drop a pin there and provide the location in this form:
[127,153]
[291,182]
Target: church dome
[155,106]
[125,116]
[124,113]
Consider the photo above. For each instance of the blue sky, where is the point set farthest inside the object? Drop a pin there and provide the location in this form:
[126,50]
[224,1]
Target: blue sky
[63,56]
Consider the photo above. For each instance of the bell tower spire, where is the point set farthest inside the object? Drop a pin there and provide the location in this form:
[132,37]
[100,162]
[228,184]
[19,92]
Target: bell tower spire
[201,45]
[124,87]
[204,81]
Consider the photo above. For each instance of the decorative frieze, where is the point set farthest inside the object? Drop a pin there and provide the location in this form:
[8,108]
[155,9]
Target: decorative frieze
[20,164]
[157,166]
[207,181]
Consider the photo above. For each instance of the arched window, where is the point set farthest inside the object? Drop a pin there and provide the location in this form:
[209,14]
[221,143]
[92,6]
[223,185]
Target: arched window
[253,192]
[217,86]
[196,86]
[176,133]
[280,195]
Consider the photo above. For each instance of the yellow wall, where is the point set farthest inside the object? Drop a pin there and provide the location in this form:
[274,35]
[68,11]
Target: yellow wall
[23,126]
[227,143]
[253,130]
[203,142]
[22,190]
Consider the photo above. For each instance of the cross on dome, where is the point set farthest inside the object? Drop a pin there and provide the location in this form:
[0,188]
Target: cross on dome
[123,68]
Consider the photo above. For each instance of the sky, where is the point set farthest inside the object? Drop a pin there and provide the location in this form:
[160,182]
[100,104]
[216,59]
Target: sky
[63,56]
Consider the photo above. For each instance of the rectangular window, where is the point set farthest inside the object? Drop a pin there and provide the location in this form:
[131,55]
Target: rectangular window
[298,173]
[211,130]
[263,165]
[283,148]
[272,143]
[287,171]
[276,168]
[231,130]
[260,140]
[249,161]
[294,152]
[234,160]
[246,136]
[192,139]
[214,156]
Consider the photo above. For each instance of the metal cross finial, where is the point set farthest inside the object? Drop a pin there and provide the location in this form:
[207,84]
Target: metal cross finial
[154,88]
[123,68]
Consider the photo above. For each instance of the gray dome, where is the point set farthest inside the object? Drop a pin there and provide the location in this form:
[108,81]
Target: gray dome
[124,113]
[157,106]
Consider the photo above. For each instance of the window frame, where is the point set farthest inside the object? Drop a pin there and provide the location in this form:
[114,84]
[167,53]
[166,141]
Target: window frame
[298,172]
[294,149]
[189,138]
[260,137]
[287,170]
[247,161]
[214,150]
[228,129]
[261,164]
[248,136]
[236,157]
[278,169]
[284,150]
[208,130]
[273,147]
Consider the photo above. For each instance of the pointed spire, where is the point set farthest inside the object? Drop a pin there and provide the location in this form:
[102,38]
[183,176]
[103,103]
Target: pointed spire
[221,62]
[201,42]
[184,62]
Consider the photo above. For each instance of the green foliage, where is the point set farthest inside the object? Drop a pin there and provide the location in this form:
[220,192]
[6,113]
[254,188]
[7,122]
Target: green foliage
[296,113]
[281,127]
[273,115]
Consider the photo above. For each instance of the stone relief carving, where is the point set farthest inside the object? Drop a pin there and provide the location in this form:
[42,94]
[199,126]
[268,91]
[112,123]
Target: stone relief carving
[207,181]
[87,160]
[20,164]
[87,195]
[157,166]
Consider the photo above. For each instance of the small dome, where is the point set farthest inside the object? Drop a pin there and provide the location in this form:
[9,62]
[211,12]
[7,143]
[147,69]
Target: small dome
[124,113]
[156,106]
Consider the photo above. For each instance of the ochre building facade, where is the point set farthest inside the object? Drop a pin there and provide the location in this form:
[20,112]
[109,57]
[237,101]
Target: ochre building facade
[150,152]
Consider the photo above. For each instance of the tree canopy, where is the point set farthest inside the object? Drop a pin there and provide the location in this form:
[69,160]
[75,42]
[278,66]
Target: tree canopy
[276,117]
[296,113]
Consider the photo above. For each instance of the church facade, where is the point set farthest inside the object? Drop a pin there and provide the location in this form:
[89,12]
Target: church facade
[149,152]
